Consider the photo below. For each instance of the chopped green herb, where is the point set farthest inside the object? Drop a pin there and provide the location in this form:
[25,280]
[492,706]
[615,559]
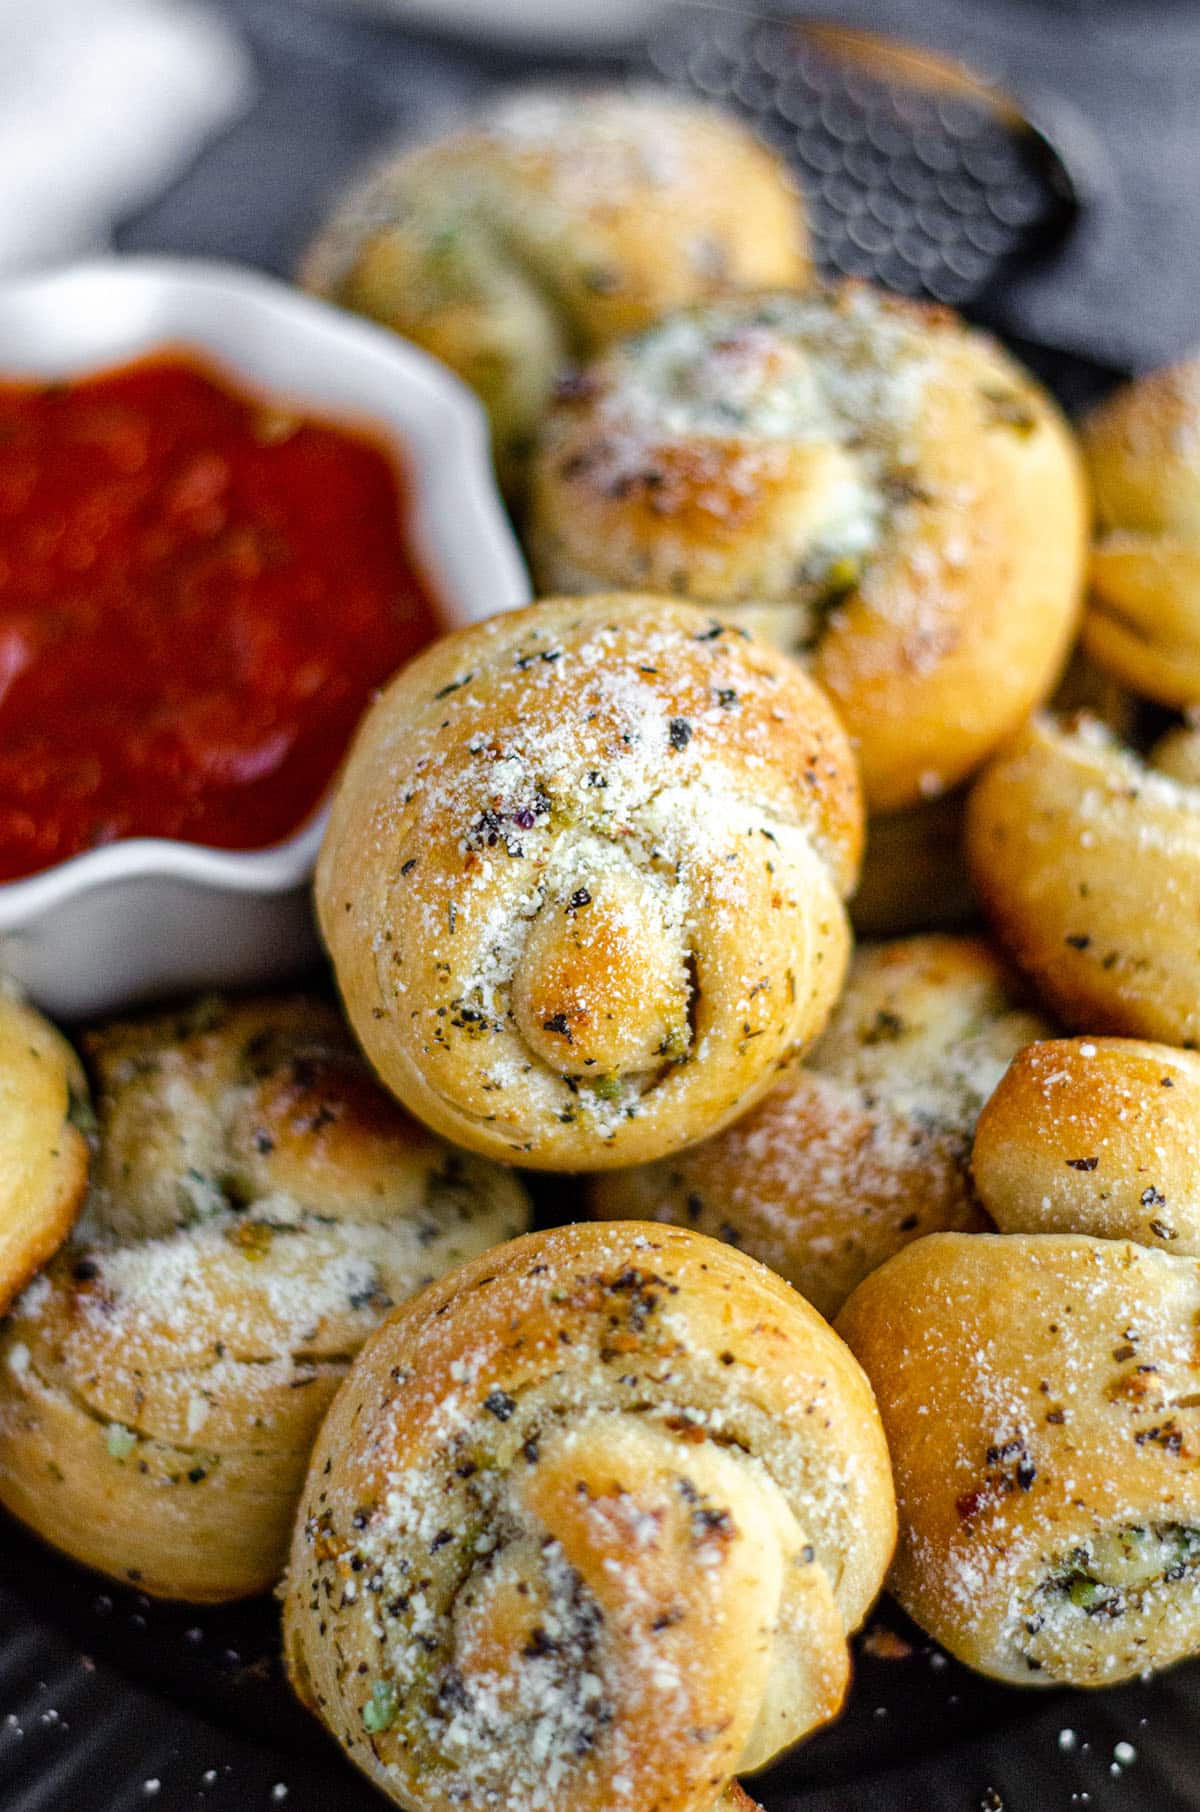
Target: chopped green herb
[379,1712]
[199,1197]
[1086,1593]
[120,1441]
[839,579]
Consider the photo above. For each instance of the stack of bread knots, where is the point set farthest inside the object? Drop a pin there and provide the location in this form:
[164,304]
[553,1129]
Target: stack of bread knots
[1049,1510]
[583,879]
[257,1206]
[862,479]
[1086,857]
[587,1528]
[890,504]
[549,227]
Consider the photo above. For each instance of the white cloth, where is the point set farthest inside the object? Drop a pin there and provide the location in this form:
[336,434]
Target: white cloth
[102,104]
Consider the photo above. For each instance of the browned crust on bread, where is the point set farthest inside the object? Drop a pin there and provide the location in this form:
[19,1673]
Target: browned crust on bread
[1087,862]
[581,879]
[624,1408]
[43,1154]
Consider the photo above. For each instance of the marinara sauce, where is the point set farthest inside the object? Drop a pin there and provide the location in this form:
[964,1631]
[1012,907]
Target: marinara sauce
[198,595]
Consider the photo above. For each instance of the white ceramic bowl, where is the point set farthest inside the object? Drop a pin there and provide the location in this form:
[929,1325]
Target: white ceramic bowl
[150,916]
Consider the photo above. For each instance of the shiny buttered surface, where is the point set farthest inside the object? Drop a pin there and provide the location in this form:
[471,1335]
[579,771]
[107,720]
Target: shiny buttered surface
[44,1119]
[1143,454]
[553,225]
[582,884]
[1087,861]
[1095,1135]
[1041,1397]
[865,1145]
[258,1206]
[876,488]
[587,1527]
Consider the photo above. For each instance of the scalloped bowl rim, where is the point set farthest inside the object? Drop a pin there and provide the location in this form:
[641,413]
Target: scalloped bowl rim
[456,525]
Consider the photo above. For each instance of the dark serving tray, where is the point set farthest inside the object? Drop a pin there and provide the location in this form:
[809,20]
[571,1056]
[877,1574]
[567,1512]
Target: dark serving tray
[112,1703]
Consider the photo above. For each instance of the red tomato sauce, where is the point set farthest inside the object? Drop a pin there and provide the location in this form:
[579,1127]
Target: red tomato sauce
[198,595]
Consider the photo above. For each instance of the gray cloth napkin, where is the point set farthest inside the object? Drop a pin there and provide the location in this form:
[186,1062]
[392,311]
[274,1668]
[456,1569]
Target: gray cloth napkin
[1116,83]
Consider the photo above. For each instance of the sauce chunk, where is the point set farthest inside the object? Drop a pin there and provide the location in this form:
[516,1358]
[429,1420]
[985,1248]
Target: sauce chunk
[199,593]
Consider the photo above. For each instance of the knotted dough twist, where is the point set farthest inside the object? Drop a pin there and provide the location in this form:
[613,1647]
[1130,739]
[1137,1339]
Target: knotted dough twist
[1095,1135]
[864,1146]
[1087,861]
[553,224]
[259,1205]
[583,876]
[1143,453]
[1041,1397]
[586,1529]
[875,487]
[44,1114]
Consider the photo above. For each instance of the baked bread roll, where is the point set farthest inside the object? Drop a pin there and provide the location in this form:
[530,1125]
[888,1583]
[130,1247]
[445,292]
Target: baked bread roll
[1041,1397]
[880,490]
[865,1145]
[44,1114]
[552,225]
[1095,1135]
[1143,455]
[586,1528]
[1087,861]
[583,875]
[260,1205]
